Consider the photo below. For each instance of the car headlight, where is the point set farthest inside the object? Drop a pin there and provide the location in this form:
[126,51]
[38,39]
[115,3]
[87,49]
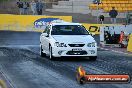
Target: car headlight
[93,44]
[60,44]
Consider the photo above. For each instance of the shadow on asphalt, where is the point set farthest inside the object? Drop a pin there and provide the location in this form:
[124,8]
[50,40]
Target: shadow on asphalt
[73,59]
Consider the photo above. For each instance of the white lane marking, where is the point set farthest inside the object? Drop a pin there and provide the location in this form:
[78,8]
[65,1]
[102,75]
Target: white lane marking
[117,51]
[7,79]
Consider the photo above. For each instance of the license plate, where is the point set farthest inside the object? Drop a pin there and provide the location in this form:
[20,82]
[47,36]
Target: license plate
[76,49]
[77,53]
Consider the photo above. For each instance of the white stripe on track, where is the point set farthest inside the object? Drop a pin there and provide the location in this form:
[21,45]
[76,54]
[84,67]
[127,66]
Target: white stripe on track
[117,51]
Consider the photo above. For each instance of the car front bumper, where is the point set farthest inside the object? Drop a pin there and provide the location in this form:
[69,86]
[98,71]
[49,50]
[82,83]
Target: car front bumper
[69,51]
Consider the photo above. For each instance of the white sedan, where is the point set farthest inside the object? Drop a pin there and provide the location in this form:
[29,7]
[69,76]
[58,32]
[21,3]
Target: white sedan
[67,39]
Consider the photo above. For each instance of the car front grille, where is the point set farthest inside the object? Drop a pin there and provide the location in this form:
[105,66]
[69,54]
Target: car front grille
[76,45]
[76,53]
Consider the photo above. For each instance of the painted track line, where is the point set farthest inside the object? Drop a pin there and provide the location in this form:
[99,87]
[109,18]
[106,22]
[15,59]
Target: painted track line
[8,81]
[117,51]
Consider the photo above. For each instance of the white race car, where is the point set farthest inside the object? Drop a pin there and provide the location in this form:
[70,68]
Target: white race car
[67,39]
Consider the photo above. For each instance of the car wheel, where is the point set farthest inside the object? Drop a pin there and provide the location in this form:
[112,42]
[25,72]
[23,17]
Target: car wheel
[93,58]
[50,54]
[41,52]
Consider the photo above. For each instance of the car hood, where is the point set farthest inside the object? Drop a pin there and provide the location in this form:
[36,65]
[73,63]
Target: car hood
[74,38]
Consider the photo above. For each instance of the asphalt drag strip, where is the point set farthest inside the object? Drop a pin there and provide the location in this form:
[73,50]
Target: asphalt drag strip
[21,63]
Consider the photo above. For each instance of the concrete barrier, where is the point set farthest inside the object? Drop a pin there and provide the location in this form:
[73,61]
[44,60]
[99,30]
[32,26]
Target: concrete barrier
[129,47]
[95,28]
[60,10]
[65,3]
[72,6]
[69,7]
[82,11]
[61,7]
[24,22]
[80,3]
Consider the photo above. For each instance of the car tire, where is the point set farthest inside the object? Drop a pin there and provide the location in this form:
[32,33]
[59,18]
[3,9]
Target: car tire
[41,53]
[50,53]
[93,58]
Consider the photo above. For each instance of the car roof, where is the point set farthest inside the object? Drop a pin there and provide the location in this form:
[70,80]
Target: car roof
[65,23]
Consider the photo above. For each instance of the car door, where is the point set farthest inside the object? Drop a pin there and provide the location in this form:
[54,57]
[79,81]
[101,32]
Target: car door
[45,39]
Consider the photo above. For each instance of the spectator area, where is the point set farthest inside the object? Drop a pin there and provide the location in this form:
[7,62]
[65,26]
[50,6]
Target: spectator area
[120,5]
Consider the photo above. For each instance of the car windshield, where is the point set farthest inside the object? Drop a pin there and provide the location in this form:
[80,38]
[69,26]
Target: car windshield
[69,30]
